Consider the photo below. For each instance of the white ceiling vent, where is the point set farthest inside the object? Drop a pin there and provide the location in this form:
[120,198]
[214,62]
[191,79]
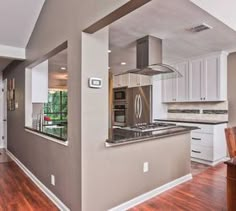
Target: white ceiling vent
[200,28]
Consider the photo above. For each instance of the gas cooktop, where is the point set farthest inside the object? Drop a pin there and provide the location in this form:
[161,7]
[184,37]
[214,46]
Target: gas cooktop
[149,127]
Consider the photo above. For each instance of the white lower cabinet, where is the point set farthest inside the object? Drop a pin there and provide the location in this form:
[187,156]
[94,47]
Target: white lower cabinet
[208,143]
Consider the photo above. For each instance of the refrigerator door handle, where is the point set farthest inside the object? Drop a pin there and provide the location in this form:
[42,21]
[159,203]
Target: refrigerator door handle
[140,106]
[135,105]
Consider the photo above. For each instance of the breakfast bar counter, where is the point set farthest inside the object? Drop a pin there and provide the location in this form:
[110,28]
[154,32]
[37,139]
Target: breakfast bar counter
[119,136]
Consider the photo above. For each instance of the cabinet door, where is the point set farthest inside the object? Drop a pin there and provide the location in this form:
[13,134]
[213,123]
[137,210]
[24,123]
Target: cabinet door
[120,81]
[182,82]
[115,81]
[135,80]
[167,90]
[195,83]
[145,80]
[210,79]
[124,80]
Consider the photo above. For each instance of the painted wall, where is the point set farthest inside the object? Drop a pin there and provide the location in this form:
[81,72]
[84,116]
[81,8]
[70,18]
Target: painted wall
[59,21]
[231,89]
[1,112]
[111,176]
[88,175]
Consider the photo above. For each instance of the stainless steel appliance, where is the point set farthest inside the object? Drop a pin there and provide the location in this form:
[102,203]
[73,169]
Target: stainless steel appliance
[150,127]
[119,95]
[149,59]
[120,114]
[139,105]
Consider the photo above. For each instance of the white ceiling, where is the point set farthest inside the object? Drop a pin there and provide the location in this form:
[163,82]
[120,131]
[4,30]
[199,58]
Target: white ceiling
[58,77]
[222,10]
[17,21]
[168,20]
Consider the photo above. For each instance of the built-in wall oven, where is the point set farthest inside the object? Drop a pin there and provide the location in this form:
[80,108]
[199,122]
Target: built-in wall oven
[120,95]
[120,114]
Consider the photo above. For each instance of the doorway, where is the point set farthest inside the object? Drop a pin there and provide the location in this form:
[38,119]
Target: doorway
[4,114]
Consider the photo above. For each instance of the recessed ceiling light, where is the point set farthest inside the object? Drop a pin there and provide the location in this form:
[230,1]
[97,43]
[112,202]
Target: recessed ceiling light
[123,63]
[109,51]
[63,68]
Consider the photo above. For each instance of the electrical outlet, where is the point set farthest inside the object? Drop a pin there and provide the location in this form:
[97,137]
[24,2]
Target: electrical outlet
[16,105]
[53,182]
[145,167]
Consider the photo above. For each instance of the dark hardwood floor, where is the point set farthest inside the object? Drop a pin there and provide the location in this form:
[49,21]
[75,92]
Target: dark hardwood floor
[18,193]
[207,191]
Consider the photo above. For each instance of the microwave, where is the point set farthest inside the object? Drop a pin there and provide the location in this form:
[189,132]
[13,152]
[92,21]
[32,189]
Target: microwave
[120,95]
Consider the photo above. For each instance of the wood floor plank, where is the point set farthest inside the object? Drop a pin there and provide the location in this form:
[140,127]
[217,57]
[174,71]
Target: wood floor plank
[205,192]
[19,193]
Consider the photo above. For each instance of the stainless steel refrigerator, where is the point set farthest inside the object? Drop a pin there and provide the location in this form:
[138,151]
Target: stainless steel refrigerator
[139,109]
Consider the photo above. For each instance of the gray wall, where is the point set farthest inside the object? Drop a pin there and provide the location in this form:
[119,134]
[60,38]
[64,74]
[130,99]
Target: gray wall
[59,21]
[109,176]
[232,89]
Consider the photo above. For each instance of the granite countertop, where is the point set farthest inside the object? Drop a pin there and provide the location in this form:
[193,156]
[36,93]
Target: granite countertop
[121,136]
[52,131]
[194,121]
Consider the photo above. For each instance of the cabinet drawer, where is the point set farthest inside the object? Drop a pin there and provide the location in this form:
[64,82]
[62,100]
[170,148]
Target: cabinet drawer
[201,139]
[200,152]
[204,129]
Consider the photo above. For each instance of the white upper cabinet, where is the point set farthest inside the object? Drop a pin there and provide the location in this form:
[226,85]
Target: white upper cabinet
[195,82]
[182,92]
[134,80]
[131,80]
[120,81]
[176,89]
[215,78]
[168,91]
[39,83]
[203,80]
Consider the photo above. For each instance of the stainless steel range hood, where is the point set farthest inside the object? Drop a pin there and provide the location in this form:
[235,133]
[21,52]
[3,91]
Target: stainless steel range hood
[149,59]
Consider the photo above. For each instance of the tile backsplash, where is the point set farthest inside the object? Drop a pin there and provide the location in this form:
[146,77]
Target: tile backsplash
[199,111]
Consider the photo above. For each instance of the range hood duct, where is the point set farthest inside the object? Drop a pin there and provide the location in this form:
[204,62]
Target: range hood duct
[149,59]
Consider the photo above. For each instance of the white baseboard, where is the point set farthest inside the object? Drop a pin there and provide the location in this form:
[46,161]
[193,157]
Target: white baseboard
[209,162]
[146,196]
[39,184]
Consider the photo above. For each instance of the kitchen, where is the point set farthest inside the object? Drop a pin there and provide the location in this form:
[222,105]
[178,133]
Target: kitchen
[150,95]
[117,155]
[163,88]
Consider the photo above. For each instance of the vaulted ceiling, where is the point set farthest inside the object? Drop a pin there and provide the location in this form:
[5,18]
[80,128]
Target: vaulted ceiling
[168,20]
[17,21]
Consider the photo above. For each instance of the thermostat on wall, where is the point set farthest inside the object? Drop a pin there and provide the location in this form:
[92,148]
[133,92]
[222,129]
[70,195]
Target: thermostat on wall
[95,83]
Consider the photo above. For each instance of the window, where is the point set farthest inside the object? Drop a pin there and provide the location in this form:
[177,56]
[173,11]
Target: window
[56,108]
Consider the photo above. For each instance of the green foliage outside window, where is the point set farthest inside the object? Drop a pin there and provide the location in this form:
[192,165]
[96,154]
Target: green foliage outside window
[56,108]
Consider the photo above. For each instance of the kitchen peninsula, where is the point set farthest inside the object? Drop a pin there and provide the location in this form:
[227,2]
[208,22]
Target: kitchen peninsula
[128,135]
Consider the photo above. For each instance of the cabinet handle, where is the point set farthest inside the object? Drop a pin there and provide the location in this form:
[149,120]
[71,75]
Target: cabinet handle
[196,151]
[199,139]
